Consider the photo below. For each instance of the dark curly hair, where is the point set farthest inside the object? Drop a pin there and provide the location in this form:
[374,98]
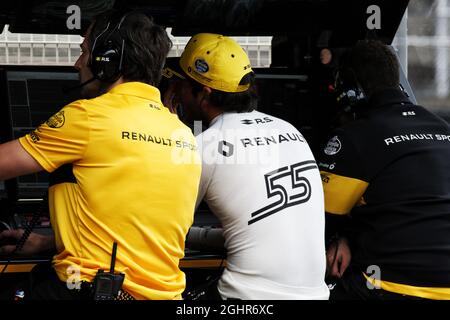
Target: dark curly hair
[245,101]
[146,44]
[374,64]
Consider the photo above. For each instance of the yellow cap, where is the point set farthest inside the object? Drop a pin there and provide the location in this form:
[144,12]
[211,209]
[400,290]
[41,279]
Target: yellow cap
[216,61]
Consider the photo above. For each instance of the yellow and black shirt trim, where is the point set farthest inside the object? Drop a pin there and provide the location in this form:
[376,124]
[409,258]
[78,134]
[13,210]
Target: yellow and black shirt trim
[341,193]
[422,292]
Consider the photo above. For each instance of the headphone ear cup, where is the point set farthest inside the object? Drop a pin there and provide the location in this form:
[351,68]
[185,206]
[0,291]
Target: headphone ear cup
[105,62]
[349,93]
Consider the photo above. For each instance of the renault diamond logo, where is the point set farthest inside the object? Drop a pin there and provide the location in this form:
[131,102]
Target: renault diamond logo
[226,148]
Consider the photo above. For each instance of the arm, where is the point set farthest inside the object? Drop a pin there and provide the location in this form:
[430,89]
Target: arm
[46,148]
[36,243]
[338,257]
[205,142]
[15,161]
[344,185]
[205,238]
[338,250]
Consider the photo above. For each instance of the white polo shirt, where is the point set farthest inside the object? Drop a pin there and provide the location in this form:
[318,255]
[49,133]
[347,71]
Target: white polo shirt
[261,180]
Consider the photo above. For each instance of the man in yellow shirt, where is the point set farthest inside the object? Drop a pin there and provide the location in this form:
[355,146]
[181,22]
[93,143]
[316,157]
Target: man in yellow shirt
[123,169]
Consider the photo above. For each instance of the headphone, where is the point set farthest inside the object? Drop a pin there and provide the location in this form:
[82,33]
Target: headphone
[349,93]
[107,53]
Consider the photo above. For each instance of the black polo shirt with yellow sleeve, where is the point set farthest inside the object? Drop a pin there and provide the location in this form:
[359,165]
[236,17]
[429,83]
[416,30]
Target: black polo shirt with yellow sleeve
[124,169]
[390,172]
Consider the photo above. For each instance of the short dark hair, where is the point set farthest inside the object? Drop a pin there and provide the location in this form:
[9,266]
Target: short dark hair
[146,44]
[374,64]
[245,101]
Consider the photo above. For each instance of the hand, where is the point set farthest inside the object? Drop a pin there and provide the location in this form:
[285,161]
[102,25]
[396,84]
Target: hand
[170,99]
[36,243]
[338,257]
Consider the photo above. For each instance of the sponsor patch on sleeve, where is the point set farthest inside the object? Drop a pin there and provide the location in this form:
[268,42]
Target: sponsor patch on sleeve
[333,146]
[57,120]
[327,166]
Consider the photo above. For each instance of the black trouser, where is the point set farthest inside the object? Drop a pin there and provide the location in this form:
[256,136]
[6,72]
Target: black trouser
[206,291]
[42,283]
[353,286]
[212,293]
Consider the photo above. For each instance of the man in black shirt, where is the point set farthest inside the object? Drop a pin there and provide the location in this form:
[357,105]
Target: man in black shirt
[386,177]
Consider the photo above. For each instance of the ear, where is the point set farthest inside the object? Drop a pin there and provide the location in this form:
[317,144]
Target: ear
[204,100]
[206,92]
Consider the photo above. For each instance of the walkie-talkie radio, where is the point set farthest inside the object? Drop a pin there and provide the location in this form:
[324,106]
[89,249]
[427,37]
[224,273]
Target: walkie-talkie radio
[107,285]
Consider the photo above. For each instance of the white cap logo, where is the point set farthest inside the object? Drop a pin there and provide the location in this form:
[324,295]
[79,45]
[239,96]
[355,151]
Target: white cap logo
[201,66]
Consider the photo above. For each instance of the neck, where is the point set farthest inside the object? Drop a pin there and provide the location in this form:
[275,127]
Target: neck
[115,84]
[212,114]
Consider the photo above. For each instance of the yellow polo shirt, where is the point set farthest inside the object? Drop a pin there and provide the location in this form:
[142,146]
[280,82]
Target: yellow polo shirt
[124,169]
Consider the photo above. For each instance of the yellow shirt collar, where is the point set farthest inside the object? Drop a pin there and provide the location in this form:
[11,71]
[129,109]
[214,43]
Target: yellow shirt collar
[138,89]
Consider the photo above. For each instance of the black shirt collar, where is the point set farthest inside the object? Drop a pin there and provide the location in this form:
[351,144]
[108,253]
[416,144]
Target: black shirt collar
[388,97]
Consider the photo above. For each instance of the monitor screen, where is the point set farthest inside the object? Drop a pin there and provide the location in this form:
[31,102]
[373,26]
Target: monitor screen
[285,94]
[33,95]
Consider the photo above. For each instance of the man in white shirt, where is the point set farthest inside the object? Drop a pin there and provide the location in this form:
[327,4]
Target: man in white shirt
[259,178]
